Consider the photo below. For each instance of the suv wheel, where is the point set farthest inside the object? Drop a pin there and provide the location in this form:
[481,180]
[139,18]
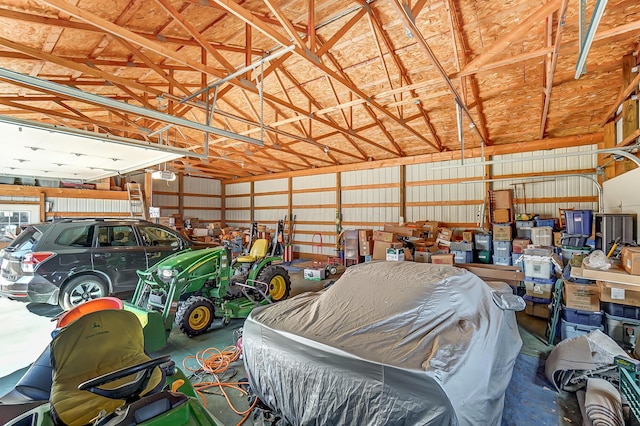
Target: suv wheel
[82,289]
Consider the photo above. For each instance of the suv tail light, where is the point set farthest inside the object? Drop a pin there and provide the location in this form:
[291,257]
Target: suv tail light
[30,261]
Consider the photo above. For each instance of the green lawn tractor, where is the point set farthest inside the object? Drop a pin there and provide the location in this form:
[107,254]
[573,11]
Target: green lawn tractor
[193,287]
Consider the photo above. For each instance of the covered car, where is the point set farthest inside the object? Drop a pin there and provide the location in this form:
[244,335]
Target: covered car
[388,343]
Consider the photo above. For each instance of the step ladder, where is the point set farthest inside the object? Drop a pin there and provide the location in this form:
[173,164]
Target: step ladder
[554,312]
[136,201]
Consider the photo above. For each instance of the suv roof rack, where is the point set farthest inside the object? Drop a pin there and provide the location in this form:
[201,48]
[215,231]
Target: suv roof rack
[96,219]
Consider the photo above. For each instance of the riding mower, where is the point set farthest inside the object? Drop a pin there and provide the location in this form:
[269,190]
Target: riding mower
[95,371]
[193,287]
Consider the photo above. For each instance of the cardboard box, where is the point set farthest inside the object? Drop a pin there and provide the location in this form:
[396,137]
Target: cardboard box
[404,231]
[467,236]
[395,254]
[429,229]
[442,259]
[407,254]
[537,309]
[630,260]
[619,293]
[502,232]
[422,257]
[557,239]
[380,249]
[615,274]
[444,234]
[366,247]
[315,274]
[501,215]
[365,234]
[585,297]
[519,244]
[386,237]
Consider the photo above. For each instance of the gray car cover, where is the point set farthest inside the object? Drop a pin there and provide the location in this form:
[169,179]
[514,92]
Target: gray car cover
[388,343]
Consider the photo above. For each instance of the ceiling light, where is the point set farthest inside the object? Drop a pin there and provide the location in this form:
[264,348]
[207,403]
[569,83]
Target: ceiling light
[163,175]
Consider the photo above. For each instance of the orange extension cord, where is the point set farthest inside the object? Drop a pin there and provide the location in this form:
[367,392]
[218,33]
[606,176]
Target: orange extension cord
[216,362]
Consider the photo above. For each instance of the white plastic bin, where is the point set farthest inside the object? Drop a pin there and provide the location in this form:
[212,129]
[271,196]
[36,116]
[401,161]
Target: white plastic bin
[537,266]
[542,236]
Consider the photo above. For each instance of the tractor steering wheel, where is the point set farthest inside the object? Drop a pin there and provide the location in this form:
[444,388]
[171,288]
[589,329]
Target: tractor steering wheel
[131,390]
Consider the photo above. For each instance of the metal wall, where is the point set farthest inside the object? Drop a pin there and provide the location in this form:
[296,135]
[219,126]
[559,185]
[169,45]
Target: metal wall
[359,203]
[270,201]
[314,210]
[237,204]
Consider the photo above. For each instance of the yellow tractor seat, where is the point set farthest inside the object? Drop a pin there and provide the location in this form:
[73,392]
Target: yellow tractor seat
[93,345]
[258,251]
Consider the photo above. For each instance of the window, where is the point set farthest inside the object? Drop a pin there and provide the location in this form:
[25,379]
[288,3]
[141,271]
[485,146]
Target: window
[78,236]
[153,236]
[10,222]
[109,236]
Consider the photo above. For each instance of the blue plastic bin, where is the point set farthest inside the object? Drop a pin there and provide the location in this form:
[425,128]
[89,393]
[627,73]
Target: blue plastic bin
[576,316]
[546,222]
[578,222]
[461,256]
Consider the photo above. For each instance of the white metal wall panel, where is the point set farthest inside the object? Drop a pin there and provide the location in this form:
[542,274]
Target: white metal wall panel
[327,180]
[167,201]
[371,177]
[275,200]
[88,205]
[269,217]
[199,185]
[271,185]
[191,201]
[165,185]
[313,198]
[238,202]
[203,215]
[237,217]
[237,188]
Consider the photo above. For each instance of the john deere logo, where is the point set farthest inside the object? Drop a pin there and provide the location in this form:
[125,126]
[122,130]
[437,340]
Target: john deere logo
[96,325]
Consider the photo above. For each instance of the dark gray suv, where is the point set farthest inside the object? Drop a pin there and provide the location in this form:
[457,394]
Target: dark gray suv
[70,261]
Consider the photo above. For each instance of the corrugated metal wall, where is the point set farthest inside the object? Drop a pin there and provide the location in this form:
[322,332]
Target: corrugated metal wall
[204,200]
[270,201]
[314,210]
[360,200]
[237,204]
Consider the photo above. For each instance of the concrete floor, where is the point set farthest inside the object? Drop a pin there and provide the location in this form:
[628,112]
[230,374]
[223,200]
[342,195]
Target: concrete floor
[181,348]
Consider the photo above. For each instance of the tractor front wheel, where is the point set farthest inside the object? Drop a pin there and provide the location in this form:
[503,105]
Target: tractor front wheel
[277,278]
[195,315]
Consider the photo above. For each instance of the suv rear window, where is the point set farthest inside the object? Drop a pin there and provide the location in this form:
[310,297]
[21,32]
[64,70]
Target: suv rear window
[25,240]
[78,236]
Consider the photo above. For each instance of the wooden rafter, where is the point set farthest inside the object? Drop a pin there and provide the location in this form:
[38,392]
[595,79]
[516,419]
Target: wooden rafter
[551,68]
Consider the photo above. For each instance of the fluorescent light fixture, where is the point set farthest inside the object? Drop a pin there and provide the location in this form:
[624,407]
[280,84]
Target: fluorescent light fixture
[163,175]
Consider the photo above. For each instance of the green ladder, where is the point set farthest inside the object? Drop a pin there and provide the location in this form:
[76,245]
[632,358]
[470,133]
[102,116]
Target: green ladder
[554,313]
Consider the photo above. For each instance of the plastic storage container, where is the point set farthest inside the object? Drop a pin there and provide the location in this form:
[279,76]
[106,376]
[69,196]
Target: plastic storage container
[504,261]
[484,256]
[622,330]
[502,248]
[516,258]
[50,183]
[533,299]
[578,222]
[545,222]
[482,242]
[523,228]
[542,236]
[460,256]
[619,310]
[569,330]
[525,224]
[568,252]
[577,316]
[7,180]
[567,240]
[539,290]
[537,266]
[460,246]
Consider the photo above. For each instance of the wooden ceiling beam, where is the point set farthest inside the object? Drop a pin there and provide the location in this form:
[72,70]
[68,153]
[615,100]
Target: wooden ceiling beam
[55,22]
[37,54]
[193,32]
[551,66]
[337,36]
[285,23]
[375,23]
[247,17]
[112,28]
[520,30]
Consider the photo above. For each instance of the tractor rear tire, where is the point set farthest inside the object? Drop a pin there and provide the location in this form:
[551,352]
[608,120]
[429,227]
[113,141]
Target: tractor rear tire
[278,280]
[195,315]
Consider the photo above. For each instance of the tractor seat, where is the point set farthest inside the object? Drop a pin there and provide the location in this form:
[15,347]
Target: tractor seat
[95,344]
[258,251]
